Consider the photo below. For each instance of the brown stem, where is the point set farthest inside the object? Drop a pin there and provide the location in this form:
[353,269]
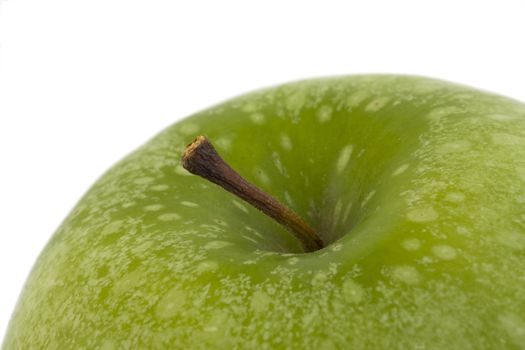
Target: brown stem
[201,158]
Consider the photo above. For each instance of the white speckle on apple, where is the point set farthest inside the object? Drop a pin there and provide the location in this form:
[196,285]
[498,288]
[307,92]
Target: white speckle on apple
[344,158]
[153,207]
[211,329]
[221,320]
[216,245]
[504,139]
[112,227]
[206,266]
[511,239]
[288,198]
[424,214]
[128,204]
[353,292]
[189,129]
[426,260]
[212,228]
[249,107]
[257,118]
[324,114]
[254,231]
[220,222]
[500,117]
[455,146]
[444,252]
[260,301]
[441,112]
[159,188]
[251,239]
[455,197]
[109,345]
[295,102]
[514,326]
[401,169]
[169,217]
[278,164]
[223,143]
[144,180]
[286,142]
[310,316]
[240,206]
[262,176]
[128,282]
[377,104]
[327,344]
[336,247]
[143,247]
[521,172]
[170,304]
[319,278]
[355,99]
[463,231]
[411,244]
[293,261]
[337,212]
[189,204]
[406,274]
[368,197]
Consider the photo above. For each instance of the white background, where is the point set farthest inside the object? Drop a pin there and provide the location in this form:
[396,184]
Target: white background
[82,83]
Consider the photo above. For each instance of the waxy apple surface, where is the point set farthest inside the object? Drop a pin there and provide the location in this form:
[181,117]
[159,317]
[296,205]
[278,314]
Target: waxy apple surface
[417,186]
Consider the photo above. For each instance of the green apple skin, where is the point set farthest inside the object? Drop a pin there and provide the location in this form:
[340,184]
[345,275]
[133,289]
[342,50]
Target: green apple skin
[418,186]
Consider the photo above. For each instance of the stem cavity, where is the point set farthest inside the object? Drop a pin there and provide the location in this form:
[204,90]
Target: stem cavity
[201,158]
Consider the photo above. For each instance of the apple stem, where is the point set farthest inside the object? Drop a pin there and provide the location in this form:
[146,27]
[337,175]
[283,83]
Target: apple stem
[201,158]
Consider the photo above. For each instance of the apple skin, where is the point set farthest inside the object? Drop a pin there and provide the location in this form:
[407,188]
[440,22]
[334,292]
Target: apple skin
[418,186]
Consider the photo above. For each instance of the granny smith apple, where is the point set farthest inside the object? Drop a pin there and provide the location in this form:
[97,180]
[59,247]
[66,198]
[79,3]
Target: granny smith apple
[416,188]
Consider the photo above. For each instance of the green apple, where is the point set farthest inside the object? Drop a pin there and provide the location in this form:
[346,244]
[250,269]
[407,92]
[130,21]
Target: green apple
[416,187]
